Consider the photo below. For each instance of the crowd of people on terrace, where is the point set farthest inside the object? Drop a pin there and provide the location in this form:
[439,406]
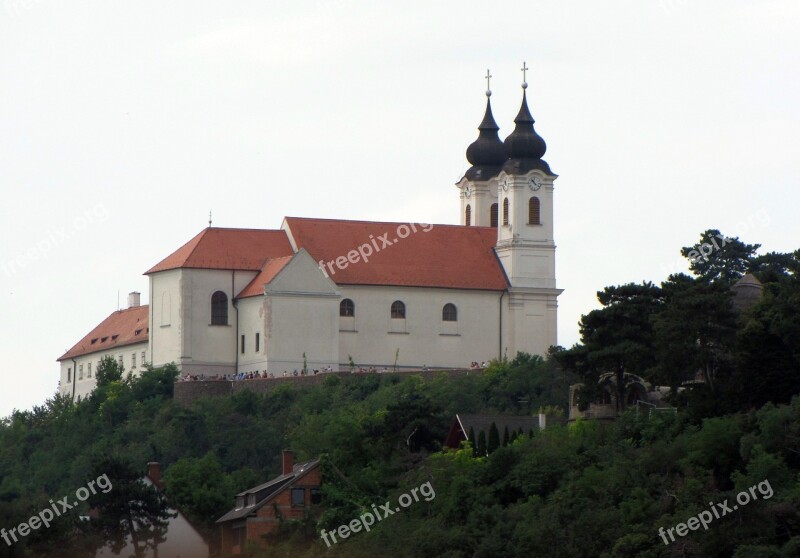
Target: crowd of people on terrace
[265,375]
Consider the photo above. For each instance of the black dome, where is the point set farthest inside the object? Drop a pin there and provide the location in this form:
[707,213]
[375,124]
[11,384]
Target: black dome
[524,147]
[487,153]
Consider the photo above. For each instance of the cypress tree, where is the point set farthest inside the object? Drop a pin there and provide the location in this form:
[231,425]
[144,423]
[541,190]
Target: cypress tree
[514,436]
[505,437]
[471,438]
[494,438]
[482,444]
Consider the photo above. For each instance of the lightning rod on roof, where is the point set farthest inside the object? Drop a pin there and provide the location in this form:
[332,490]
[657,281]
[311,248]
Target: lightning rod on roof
[209,217]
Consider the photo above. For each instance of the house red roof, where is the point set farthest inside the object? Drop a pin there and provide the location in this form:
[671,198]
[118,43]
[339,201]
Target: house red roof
[447,256]
[121,328]
[267,274]
[216,248]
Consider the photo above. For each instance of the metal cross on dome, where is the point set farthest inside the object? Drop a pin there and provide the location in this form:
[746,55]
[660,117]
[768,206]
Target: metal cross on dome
[488,85]
[524,75]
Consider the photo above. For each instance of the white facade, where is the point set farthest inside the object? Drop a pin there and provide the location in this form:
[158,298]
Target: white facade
[78,374]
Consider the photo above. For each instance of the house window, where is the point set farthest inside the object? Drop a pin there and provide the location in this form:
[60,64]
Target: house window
[505,211]
[534,207]
[398,310]
[121,361]
[133,360]
[242,344]
[298,496]
[493,215]
[316,496]
[347,308]
[258,341]
[468,216]
[219,308]
[80,372]
[449,313]
[143,359]
[69,375]
[89,370]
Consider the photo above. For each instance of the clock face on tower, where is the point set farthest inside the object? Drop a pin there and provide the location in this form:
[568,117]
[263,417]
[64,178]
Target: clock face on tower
[467,191]
[535,183]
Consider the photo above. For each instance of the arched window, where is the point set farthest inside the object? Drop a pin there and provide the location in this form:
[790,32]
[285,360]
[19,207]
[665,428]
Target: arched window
[219,308]
[493,215]
[398,310]
[347,309]
[534,211]
[468,216]
[505,211]
[449,313]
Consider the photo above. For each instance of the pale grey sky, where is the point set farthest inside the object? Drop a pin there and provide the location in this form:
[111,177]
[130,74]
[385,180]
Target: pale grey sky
[122,124]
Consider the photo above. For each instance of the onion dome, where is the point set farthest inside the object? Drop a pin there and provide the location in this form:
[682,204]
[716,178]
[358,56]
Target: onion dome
[524,147]
[487,153]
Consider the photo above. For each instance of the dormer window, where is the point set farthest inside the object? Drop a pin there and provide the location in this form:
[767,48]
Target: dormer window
[94,340]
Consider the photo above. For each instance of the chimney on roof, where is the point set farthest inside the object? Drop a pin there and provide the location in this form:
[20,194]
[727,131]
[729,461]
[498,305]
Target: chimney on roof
[288,461]
[154,474]
[134,299]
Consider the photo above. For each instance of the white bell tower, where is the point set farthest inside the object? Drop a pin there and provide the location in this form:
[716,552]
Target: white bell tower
[525,243]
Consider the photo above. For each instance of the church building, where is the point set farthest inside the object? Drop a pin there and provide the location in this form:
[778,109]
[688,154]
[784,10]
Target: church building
[319,293]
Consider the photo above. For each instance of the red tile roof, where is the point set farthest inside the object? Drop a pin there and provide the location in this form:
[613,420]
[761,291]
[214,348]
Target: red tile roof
[447,256]
[118,330]
[216,248]
[268,273]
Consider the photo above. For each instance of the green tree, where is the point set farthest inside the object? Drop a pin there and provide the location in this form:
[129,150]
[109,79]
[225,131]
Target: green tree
[108,370]
[719,258]
[481,450]
[494,438]
[130,511]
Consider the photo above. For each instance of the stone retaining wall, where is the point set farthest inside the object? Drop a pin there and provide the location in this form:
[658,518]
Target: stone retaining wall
[187,392]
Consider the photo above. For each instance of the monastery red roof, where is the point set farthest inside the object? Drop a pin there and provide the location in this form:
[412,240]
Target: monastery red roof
[267,274]
[121,328]
[216,248]
[447,256]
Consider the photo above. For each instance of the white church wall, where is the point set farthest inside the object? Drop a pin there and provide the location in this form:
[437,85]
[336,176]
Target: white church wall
[165,312]
[252,321]
[531,325]
[302,316]
[422,338]
[209,349]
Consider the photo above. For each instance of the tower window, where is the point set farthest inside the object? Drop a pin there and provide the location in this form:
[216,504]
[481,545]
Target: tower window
[347,308]
[242,344]
[449,313]
[534,211]
[398,310]
[258,341]
[219,308]
[468,216]
[505,211]
[493,215]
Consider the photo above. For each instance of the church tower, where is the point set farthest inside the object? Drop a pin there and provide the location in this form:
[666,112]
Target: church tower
[525,243]
[509,186]
[479,185]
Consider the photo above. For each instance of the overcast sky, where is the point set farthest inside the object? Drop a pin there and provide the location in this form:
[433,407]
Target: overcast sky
[123,124]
